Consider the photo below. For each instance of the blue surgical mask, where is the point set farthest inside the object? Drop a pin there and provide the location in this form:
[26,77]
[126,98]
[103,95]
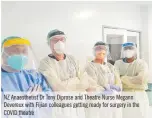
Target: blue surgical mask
[17,62]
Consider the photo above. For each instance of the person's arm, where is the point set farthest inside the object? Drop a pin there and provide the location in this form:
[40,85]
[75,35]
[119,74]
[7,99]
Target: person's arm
[92,79]
[116,66]
[117,78]
[51,76]
[140,80]
[80,81]
[44,84]
[117,81]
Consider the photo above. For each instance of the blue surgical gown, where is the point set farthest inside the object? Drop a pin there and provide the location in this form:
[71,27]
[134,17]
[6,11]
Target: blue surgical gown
[22,81]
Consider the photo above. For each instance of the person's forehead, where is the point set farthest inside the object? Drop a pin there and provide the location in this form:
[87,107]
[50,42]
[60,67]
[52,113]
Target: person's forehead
[58,38]
[20,47]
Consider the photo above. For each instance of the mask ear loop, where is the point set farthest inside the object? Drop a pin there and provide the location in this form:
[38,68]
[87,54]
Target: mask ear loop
[5,65]
[7,57]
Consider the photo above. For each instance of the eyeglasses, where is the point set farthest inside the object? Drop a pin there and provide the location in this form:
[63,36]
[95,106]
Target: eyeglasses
[129,48]
[55,40]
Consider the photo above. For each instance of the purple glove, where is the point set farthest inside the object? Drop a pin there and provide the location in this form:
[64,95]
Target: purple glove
[116,88]
[107,92]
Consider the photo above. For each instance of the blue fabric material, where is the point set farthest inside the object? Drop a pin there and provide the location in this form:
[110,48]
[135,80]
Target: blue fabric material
[21,81]
[128,44]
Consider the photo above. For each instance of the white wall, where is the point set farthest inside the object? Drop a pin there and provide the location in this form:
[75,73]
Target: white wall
[34,19]
[144,33]
[150,38]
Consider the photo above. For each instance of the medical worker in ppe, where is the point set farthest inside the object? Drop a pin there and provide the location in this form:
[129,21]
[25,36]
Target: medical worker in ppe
[106,77]
[102,72]
[134,75]
[18,69]
[62,70]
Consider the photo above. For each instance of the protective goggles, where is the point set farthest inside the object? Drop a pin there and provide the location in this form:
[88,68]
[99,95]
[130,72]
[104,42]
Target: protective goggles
[100,47]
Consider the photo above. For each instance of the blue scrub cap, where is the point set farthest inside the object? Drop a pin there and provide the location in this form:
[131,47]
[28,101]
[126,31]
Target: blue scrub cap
[128,44]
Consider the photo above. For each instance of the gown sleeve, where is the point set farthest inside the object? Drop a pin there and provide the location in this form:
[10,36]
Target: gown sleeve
[51,76]
[140,80]
[93,77]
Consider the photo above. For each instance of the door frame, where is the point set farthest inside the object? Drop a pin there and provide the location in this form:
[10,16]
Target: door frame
[137,31]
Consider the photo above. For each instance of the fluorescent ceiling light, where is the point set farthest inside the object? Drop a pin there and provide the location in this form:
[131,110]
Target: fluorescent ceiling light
[84,14]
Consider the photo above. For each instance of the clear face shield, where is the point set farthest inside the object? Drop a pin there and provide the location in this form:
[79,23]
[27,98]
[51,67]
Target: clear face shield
[129,50]
[57,44]
[17,55]
[102,52]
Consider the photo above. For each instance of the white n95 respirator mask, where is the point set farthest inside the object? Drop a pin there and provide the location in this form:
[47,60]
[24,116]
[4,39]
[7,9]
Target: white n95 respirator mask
[59,47]
[129,53]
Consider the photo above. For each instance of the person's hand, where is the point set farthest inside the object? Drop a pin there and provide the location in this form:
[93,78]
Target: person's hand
[137,80]
[116,88]
[91,89]
[34,90]
[108,92]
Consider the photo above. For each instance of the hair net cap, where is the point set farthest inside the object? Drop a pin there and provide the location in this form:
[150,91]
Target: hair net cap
[54,33]
[99,43]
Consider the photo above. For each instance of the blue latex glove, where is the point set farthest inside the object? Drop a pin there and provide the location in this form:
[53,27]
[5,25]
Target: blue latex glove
[116,88]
